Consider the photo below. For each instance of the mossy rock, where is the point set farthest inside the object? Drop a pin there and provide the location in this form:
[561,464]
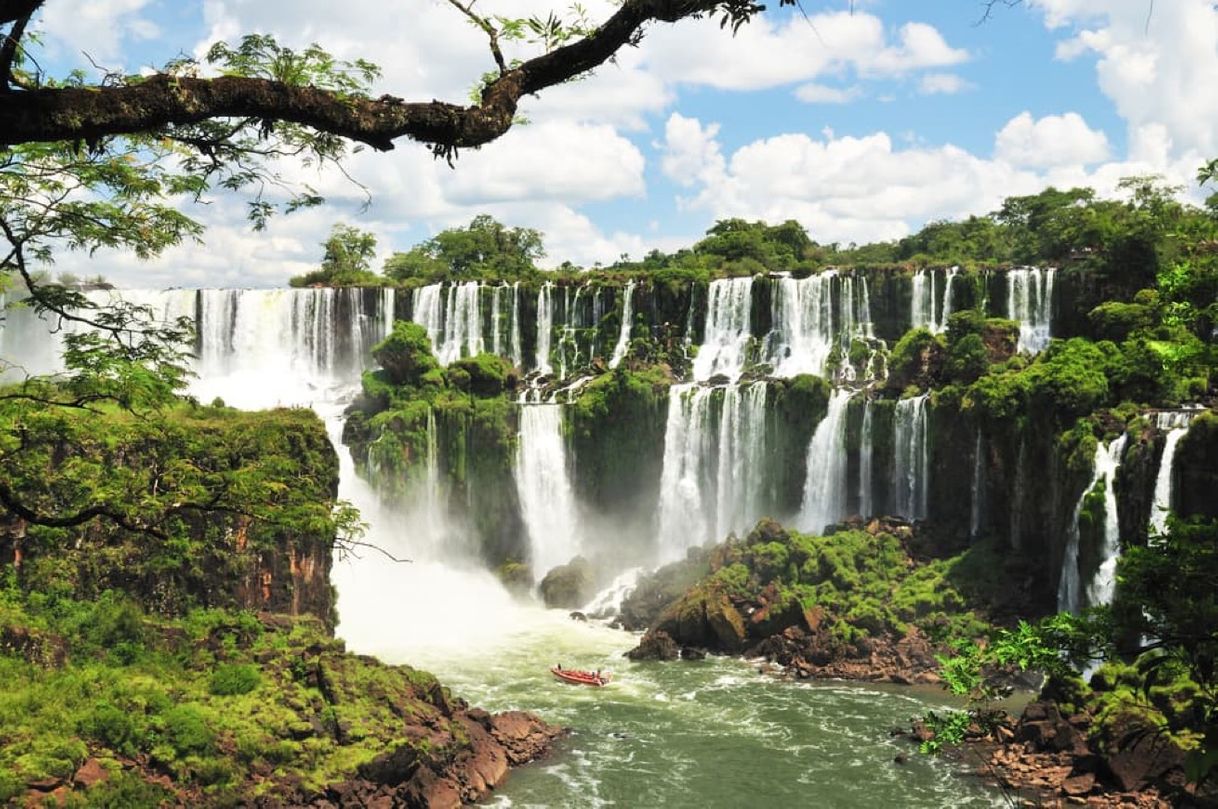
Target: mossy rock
[569,586]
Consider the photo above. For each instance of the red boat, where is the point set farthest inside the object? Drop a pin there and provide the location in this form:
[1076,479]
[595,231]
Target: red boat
[580,677]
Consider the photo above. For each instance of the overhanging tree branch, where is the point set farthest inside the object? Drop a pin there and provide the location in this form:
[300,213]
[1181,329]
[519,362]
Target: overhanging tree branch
[164,101]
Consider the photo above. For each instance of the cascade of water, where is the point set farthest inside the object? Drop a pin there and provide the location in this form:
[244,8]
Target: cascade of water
[515,348]
[922,300]
[977,490]
[741,458]
[607,603]
[427,309]
[1104,465]
[545,323]
[945,311]
[911,468]
[866,443]
[1103,584]
[728,322]
[496,320]
[714,464]
[1030,301]
[803,334]
[1175,424]
[686,444]
[623,340]
[547,496]
[388,314]
[824,500]
[864,314]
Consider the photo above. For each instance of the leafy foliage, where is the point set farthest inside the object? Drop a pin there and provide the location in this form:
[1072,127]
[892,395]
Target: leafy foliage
[348,254]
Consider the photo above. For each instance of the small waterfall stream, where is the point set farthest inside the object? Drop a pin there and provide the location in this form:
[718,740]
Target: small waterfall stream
[866,448]
[1176,425]
[824,500]
[1030,301]
[623,340]
[1069,590]
[911,469]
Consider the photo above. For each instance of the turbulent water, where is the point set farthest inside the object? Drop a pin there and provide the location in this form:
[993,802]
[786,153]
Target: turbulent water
[1069,590]
[1176,425]
[710,734]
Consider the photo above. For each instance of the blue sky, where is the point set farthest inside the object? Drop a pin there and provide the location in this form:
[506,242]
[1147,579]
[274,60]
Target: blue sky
[862,126]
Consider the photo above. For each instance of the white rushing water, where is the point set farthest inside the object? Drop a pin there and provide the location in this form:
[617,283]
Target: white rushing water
[927,309]
[803,331]
[714,465]
[1103,584]
[623,340]
[543,482]
[1030,301]
[824,500]
[1175,424]
[1069,589]
[911,450]
[545,327]
[729,307]
[866,476]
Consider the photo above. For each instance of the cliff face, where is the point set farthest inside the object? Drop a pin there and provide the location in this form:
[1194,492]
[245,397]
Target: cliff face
[271,554]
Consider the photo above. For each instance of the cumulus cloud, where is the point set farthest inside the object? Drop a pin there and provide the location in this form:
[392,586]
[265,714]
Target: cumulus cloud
[866,188]
[1053,140]
[769,53]
[1156,63]
[96,26]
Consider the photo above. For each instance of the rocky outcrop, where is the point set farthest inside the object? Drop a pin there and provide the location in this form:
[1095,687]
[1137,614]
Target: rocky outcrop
[856,604]
[1056,759]
[569,586]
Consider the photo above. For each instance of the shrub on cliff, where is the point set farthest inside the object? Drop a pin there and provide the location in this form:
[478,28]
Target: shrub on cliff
[406,355]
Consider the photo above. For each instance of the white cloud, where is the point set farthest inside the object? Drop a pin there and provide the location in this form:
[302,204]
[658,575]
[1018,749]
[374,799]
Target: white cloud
[766,53]
[1053,140]
[814,93]
[97,27]
[942,84]
[867,188]
[691,153]
[1158,63]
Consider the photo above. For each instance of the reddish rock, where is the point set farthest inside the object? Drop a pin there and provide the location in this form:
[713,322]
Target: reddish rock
[1079,784]
[90,773]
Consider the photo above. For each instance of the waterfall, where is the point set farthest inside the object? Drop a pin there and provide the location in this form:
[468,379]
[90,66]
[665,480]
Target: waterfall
[1103,584]
[682,516]
[1069,591]
[496,321]
[911,468]
[426,309]
[824,500]
[547,496]
[866,481]
[977,490]
[714,464]
[802,335]
[866,330]
[515,348]
[1030,301]
[1176,425]
[741,459]
[623,340]
[945,311]
[545,324]
[922,301]
[728,322]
